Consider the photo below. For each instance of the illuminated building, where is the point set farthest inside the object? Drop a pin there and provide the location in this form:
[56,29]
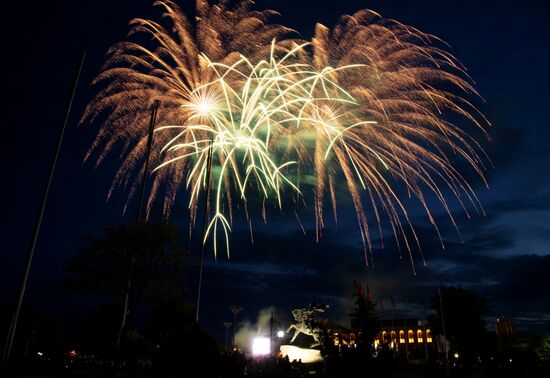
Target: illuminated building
[344,338]
[408,338]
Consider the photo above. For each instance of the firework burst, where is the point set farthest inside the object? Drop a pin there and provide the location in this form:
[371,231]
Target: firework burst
[409,88]
[166,62]
[367,104]
[248,115]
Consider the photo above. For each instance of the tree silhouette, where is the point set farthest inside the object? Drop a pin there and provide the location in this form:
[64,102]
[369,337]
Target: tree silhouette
[102,265]
[182,345]
[540,344]
[463,314]
[364,319]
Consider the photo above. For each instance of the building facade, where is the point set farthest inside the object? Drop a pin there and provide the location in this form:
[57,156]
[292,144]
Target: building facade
[409,339]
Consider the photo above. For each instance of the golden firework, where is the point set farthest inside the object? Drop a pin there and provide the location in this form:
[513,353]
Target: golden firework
[368,104]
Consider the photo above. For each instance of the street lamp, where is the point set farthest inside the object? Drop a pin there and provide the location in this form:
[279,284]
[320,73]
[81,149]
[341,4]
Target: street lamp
[235,310]
[226,325]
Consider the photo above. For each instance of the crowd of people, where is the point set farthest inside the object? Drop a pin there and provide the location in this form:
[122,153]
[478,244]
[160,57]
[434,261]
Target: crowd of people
[237,364]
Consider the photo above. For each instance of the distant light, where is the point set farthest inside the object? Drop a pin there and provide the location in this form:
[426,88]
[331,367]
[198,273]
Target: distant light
[280,334]
[456,355]
[261,346]
[40,353]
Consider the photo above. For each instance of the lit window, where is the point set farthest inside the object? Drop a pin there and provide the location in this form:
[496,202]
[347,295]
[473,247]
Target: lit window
[384,334]
[393,337]
[428,336]
[402,337]
[411,336]
[419,336]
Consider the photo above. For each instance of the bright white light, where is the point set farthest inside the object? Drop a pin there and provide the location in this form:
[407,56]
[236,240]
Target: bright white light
[203,108]
[456,355]
[306,355]
[261,346]
[280,334]
[40,353]
[201,103]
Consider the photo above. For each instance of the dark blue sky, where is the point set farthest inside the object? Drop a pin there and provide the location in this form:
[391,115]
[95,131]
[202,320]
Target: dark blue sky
[506,254]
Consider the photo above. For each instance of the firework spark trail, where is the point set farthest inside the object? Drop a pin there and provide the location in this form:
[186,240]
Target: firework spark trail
[366,104]
[259,110]
[169,67]
[399,87]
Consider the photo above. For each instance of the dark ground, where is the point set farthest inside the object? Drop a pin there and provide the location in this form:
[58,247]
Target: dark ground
[275,368]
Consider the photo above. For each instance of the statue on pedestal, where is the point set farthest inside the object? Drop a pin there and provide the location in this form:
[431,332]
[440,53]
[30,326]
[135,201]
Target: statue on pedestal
[307,324]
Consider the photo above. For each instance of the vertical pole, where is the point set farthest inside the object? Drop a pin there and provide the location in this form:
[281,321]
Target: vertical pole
[145,175]
[226,329]
[152,123]
[393,316]
[226,325]
[407,342]
[443,325]
[425,343]
[204,222]
[15,319]
[271,333]
[234,328]
[235,310]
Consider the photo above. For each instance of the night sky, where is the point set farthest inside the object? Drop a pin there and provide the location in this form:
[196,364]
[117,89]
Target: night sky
[505,256]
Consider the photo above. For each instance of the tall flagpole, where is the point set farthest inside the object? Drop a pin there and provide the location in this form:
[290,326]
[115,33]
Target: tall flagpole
[204,221]
[226,325]
[145,172]
[15,319]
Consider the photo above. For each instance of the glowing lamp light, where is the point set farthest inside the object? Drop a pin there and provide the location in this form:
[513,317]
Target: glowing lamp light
[261,346]
[280,334]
